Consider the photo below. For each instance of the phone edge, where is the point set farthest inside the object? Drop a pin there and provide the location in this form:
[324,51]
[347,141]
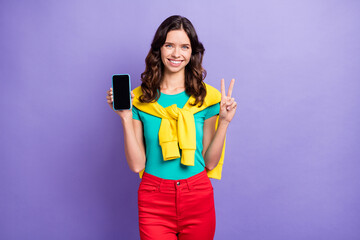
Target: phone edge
[112,86]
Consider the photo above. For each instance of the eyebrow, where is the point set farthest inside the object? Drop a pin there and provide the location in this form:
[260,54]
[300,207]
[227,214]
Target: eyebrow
[185,44]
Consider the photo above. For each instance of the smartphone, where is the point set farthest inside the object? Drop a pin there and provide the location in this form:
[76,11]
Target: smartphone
[121,86]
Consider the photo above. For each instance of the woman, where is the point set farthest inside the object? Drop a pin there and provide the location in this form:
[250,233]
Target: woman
[170,136]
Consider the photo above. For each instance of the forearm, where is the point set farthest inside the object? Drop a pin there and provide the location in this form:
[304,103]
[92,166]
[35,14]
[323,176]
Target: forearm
[135,155]
[213,153]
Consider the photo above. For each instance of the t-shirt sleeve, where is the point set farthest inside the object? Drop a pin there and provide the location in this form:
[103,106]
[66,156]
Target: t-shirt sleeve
[135,113]
[212,110]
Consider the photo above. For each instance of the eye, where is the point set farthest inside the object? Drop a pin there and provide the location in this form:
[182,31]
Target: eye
[168,45]
[185,47]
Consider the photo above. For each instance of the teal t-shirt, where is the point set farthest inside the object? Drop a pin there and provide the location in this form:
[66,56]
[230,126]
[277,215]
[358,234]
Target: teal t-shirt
[172,169]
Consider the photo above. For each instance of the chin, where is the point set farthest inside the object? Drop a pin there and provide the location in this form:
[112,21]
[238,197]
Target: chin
[175,70]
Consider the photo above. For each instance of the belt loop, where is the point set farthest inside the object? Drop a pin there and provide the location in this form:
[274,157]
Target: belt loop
[159,186]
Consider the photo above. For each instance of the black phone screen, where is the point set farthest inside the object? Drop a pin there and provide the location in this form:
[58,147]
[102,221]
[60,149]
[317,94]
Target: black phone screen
[121,91]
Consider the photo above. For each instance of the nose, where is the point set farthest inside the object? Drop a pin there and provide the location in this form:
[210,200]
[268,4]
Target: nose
[176,52]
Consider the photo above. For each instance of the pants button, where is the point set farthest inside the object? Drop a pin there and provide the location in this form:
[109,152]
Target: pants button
[178,183]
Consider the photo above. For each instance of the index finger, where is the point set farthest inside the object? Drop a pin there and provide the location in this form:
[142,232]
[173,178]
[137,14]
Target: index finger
[231,87]
[222,87]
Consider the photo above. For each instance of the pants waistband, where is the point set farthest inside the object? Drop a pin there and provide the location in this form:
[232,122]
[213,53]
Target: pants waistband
[168,184]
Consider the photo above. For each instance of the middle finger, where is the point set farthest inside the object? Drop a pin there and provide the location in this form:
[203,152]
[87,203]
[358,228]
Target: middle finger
[231,87]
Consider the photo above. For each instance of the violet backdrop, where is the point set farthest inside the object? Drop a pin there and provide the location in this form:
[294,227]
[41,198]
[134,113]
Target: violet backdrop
[292,156]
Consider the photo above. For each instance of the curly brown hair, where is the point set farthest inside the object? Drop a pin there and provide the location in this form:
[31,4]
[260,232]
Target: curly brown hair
[194,72]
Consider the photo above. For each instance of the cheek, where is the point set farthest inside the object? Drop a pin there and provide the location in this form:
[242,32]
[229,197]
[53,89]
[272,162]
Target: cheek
[163,52]
[188,57]
[163,56]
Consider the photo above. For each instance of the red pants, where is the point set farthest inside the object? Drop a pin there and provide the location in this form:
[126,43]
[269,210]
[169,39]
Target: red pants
[176,209]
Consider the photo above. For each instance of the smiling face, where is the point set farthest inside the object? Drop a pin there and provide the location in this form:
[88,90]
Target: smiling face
[176,51]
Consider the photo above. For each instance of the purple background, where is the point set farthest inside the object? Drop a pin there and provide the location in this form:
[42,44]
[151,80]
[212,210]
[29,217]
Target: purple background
[292,167]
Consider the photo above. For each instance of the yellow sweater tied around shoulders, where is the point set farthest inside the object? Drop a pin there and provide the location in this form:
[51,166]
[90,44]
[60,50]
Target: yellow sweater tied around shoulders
[177,128]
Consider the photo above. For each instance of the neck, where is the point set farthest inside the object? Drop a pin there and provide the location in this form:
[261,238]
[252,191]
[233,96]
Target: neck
[172,81]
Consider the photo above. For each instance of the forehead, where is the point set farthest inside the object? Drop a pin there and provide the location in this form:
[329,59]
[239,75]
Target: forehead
[178,36]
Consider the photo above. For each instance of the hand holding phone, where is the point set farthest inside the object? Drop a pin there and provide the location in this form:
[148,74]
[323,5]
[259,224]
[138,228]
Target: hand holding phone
[124,114]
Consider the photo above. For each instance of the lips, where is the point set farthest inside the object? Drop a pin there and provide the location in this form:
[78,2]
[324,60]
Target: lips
[175,63]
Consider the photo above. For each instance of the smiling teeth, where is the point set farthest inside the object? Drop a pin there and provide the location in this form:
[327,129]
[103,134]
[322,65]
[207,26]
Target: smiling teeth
[176,62]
